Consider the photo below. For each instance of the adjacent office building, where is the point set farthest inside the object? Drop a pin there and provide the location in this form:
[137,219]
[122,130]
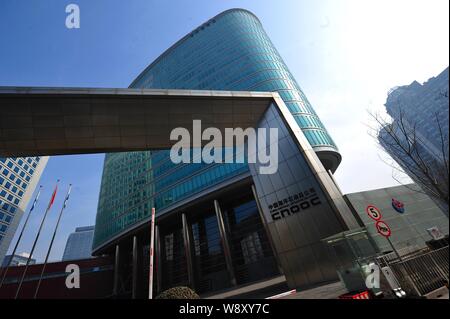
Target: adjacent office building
[210,231]
[18,180]
[420,111]
[409,212]
[79,244]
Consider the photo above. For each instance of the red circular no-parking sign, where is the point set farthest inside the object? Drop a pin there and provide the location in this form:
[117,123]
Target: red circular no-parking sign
[373,212]
[383,228]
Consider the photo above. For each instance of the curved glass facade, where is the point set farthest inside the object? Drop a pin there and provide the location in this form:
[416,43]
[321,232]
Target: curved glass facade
[229,52]
[232,52]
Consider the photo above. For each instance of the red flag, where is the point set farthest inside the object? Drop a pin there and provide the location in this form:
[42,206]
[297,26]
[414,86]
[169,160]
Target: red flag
[53,197]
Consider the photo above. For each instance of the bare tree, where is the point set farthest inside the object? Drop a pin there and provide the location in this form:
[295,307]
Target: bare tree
[425,163]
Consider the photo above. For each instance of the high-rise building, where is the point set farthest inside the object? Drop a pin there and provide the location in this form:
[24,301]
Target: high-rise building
[79,244]
[220,238]
[420,123]
[421,105]
[229,52]
[18,180]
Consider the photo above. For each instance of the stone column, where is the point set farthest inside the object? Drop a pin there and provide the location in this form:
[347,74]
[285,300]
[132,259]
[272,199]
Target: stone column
[188,250]
[136,262]
[116,271]
[225,243]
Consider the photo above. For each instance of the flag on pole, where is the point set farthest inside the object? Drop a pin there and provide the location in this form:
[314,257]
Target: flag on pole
[53,197]
[20,236]
[51,242]
[36,239]
[67,197]
[36,199]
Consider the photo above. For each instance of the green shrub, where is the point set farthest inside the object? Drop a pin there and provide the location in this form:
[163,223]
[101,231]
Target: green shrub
[178,293]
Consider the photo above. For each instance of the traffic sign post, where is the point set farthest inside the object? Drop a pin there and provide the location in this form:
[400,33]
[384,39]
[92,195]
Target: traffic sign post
[382,228]
[385,231]
[373,212]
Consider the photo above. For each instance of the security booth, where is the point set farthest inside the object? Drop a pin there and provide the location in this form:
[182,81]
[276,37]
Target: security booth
[354,253]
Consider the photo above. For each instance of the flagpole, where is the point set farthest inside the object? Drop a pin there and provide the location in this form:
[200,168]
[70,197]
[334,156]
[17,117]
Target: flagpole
[36,239]
[51,242]
[152,244]
[20,236]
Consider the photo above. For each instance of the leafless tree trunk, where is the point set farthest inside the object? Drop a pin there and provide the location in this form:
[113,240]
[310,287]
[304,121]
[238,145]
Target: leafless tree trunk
[425,164]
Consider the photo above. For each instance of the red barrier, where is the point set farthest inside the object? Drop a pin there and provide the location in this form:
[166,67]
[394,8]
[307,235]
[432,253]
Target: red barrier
[361,295]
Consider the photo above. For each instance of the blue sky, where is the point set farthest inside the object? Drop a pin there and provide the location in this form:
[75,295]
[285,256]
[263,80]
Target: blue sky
[345,54]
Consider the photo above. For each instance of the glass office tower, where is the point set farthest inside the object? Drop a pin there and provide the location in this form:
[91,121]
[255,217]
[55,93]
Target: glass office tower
[232,52]
[79,244]
[421,109]
[229,52]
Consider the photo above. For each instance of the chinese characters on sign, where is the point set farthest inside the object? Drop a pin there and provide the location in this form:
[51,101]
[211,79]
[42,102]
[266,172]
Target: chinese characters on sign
[294,204]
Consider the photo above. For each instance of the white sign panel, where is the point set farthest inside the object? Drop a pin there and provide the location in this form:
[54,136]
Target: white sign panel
[435,233]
